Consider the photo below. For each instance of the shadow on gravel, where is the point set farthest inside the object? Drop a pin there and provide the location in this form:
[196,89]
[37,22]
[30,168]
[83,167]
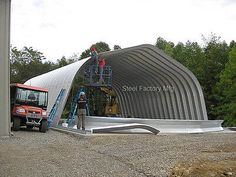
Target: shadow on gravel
[32,130]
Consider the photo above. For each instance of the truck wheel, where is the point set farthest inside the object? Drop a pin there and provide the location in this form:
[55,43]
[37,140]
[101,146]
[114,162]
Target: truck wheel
[44,126]
[16,123]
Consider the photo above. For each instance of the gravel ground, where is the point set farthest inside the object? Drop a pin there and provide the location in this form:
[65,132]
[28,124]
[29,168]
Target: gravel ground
[35,154]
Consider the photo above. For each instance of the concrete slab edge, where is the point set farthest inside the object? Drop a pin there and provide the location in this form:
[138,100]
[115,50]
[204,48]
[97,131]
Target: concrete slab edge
[69,132]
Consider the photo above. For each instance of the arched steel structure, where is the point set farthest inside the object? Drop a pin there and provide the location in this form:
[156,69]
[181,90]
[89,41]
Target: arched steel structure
[149,84]
[180,95]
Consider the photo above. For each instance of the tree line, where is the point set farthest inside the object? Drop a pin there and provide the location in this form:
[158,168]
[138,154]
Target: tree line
[213,63]
[27,62]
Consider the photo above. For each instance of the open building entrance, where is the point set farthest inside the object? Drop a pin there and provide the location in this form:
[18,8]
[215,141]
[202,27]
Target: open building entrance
[102,99]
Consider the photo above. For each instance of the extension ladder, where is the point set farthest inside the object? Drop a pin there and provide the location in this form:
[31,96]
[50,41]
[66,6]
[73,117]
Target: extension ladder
[54,109]
[73,110]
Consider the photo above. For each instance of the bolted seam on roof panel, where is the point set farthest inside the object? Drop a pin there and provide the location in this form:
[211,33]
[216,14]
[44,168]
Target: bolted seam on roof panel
[143,65]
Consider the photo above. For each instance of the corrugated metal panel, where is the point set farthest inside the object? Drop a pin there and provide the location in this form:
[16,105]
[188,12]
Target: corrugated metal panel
[143,65]
[56,80]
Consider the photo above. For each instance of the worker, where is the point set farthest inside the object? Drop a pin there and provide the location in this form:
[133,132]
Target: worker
[82,105]
[94,58]
[101,68]
[112,96]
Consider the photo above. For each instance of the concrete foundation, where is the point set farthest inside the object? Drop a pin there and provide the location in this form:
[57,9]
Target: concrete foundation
[164,126]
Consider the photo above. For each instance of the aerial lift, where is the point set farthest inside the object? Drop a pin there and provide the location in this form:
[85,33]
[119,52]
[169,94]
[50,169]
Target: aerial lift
[101,97]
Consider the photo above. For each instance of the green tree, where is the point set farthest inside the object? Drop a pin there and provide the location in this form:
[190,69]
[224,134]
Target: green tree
[226,91]
[192,56]
[232,43]
[66,61]
[85,54]
[62,62]
[167,47]
[216,55]
[73,58]
[205,62]
[27,63]
[100,47]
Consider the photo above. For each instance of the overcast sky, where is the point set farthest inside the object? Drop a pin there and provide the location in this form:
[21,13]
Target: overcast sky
[63,27]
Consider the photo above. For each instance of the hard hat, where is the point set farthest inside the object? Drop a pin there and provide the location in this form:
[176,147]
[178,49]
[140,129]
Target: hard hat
[82,93]
[93,49]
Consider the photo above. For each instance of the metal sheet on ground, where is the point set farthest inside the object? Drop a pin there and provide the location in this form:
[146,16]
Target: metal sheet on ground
[124,127]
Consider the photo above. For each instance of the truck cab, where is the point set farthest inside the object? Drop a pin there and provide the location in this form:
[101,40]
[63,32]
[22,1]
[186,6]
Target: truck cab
[28,107]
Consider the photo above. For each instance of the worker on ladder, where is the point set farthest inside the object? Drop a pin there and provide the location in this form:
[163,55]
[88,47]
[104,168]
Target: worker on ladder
[82,105]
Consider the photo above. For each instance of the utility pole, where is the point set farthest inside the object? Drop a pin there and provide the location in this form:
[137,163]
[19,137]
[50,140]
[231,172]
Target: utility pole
[5,11]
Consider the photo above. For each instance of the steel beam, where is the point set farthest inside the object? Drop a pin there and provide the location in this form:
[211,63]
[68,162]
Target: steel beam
[5,11]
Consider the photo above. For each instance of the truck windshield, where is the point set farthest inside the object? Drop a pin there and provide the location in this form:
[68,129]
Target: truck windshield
[32,97]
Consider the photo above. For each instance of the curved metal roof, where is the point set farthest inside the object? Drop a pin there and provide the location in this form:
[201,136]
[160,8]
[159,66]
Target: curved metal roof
[160,87]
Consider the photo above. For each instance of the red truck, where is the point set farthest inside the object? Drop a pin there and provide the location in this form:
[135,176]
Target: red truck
[28,107]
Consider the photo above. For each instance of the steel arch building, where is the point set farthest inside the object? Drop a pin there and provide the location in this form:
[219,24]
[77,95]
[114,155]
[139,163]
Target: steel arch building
[149,85]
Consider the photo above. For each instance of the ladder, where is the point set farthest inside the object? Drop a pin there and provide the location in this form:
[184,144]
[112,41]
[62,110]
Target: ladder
[54,109]
[73,110]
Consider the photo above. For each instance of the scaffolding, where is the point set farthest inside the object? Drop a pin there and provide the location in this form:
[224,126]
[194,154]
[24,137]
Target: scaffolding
[93,79]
